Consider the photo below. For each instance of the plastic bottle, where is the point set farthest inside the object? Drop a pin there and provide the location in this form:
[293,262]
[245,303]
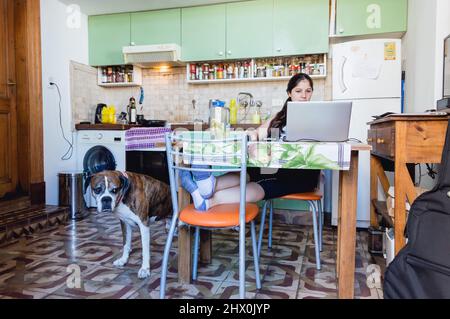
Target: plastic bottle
[233,111]
[105,116]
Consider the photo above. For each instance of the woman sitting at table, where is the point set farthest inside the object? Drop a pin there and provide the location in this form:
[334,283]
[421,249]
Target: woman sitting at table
[208,191]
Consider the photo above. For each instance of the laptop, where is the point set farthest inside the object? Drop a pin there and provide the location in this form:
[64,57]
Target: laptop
[318,121]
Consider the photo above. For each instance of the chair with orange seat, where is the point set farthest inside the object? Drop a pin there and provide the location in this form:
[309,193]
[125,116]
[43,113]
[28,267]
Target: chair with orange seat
[217,217]
[314,200]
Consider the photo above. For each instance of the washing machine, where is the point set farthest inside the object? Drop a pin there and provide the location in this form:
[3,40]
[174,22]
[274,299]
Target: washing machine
[99,150]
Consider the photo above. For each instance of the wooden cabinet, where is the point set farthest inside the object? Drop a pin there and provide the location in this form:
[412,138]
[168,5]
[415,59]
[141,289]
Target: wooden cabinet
[240,30]
[229,31]
[108,34]
[156,27]
[360,17]
[382,140]
[249,29]
[203,33]
[404,140]
[300,26]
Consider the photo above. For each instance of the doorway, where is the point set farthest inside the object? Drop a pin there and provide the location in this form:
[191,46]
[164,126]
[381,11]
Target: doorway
[8,114]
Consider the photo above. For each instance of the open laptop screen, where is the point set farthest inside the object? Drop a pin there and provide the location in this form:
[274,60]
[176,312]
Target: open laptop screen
[325,121]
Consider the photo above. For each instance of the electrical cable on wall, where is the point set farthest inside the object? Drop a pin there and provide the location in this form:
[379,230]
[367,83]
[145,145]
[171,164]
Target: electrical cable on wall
[69,152]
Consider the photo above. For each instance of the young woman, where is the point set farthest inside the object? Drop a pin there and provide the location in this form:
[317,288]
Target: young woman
[208,191]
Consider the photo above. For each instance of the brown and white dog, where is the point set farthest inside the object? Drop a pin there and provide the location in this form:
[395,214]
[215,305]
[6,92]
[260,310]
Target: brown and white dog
[133,198]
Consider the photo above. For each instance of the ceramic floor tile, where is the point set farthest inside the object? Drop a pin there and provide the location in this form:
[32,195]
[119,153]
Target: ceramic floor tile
[36,266]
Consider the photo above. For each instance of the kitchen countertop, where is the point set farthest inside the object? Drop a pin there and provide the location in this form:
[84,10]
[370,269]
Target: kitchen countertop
[205,126]
[124,127]
[112,127]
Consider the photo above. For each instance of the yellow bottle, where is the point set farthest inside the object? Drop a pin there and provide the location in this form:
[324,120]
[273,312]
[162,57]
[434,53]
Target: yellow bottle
[233,111]
[105,116]
[112,115]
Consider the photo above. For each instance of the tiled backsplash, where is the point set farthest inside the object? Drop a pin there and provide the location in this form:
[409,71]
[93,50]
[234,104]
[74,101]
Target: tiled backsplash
[169,97]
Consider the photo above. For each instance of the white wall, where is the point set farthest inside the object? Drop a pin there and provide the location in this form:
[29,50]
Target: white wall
[419,47]
[64,38]
[442,31]
[428,25]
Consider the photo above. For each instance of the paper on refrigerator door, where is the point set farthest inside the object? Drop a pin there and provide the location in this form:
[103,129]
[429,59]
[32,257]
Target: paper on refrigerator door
[365,67]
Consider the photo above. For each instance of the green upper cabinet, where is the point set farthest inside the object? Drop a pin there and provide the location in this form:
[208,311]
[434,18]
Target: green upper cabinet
[300,26]
[359,17]
[107,35]
[249,29]
[203,33]
[156,27]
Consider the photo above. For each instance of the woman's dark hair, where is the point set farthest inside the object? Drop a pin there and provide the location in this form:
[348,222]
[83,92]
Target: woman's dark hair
[279,120]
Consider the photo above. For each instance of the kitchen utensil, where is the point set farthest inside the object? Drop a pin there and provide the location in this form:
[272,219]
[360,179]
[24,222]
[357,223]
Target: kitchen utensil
[98,113]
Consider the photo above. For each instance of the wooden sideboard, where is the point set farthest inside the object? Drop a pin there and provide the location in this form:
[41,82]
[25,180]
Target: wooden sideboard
[403,140]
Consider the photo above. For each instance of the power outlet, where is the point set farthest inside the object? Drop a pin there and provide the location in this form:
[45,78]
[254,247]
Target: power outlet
[51,79]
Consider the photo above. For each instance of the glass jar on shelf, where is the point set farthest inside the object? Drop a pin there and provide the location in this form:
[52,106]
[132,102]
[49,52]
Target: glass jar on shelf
[220,72]
[192,71]
[230,69]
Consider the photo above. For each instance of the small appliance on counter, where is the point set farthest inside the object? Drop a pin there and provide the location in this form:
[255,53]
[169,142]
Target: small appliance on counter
[219,115]
[98,113]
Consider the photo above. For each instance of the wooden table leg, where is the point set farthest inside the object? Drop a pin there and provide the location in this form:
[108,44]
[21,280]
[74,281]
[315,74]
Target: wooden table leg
[399,203]
[373,190]
[338,222]
[347,230]
[184,255]
[205,246]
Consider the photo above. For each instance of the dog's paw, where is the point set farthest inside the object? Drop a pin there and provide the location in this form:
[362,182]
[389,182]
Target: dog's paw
[120,262]
[144,273]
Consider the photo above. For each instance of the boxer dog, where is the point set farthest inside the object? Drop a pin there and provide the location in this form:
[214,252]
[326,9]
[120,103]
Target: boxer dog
[133,198]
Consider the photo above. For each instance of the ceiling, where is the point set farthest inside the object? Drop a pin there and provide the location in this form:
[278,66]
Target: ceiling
[93,7]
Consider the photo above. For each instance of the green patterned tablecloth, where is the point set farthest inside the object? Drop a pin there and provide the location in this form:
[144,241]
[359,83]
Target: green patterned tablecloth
[301,155]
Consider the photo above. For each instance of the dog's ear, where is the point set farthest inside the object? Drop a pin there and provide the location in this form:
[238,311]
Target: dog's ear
[87,181]
[125,186]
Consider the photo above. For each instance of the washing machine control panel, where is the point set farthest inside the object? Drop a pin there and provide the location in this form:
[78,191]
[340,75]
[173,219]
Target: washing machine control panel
[102,137]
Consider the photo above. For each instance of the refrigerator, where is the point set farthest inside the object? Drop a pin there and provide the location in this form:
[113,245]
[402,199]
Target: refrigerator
[368,73]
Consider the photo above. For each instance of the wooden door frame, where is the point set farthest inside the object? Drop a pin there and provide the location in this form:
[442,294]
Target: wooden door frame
[27,30]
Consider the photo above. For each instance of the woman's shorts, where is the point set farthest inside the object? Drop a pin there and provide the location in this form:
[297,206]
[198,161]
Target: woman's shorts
[284,181]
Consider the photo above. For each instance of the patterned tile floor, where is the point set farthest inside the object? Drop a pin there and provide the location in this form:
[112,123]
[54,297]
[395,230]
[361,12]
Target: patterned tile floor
[40,266]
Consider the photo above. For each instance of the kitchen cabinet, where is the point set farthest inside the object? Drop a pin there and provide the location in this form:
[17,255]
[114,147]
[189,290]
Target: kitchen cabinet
[300,26]
[107,35]
[203,33]
[361,17]
[249,31]
[156,27]
[252,29]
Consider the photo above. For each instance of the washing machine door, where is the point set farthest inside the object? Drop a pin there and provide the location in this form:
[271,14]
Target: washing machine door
[98,159]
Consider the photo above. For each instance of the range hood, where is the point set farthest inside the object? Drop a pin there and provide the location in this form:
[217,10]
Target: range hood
[146,56]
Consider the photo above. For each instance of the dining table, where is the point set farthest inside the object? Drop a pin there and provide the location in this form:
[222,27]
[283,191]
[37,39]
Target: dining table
[335,156]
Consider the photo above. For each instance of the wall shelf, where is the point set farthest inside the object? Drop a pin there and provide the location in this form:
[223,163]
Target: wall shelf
[136,77]
[257,69]
[278,78]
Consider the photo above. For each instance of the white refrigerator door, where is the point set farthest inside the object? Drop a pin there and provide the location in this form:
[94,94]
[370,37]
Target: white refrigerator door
[362,112]
[367,69]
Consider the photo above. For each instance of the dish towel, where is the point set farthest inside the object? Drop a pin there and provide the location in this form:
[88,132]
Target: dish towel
[141,138]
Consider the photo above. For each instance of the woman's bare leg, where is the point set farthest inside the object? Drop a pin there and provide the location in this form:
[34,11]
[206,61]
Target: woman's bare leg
[231,195]
[229,180]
